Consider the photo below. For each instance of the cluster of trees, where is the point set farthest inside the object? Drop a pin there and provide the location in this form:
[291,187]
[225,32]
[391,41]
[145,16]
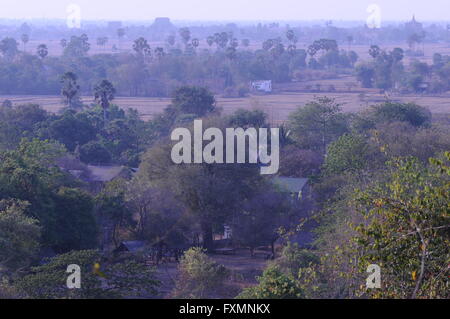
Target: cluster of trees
[383,197]
[378,198]
[387,71]
[384,72]
[225,64]
[157,71]
[201,198]
[43,206]
[102,134]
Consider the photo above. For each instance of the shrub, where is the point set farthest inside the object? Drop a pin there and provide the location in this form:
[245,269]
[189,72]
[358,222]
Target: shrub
[293,258]
[273,284]
[199,275]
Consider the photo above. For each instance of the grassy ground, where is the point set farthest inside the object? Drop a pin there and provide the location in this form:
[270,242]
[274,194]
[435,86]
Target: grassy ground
[277,106]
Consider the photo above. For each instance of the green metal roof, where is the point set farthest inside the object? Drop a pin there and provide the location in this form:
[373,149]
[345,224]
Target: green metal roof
[291,184]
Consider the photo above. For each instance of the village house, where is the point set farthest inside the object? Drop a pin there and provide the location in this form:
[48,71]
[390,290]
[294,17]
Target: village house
[96,176]
[262,86]
[297,187]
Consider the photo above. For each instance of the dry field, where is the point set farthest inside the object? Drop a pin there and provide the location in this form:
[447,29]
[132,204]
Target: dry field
[277,106]
[285,98]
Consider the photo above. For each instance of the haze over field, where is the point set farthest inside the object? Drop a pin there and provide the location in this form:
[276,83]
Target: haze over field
[432,10]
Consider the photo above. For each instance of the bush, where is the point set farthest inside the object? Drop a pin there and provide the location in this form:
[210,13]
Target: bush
[400,112]
[273,284]
[293,258]
[200,276]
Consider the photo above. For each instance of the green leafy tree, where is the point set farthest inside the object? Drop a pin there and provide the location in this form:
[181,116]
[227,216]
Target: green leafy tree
[19,235]
[71,129]
[77,46]
[95,152]
[19,122]
[209,191]
[259,219]
[29,173]
[365,74]
[112,208]
[406,230]
[71,90]
[245,118]
[317,124]
[104,93]
[9,48]
[192,100]
[75,224]
[349,153]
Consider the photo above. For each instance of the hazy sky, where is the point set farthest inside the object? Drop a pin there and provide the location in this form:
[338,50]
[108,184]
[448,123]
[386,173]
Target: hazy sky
[228,9]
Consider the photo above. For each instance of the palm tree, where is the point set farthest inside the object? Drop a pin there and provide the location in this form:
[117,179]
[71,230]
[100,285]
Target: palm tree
[171,40]
[195,43]
[159,52]
[120,34]
[42,51]
[101,41]
[63,43]
[234,43]
[70,90]
[349,41]
[140,46]
[210,40]
[185,35]
[267,45]
[292,49]
[103,95]
[25,38]
[290,35]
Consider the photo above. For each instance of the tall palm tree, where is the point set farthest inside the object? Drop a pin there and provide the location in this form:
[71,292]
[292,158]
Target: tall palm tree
[159,52]
[25,38]
[120,34]
[210,40]
[70,90]
[140,46]
[42,51]
[103,94]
